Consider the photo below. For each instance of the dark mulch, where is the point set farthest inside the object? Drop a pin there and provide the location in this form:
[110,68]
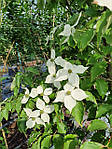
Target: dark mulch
[15,139]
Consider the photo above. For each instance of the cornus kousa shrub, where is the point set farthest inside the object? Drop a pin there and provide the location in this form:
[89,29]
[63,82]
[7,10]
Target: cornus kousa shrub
[44,108]
[69,106]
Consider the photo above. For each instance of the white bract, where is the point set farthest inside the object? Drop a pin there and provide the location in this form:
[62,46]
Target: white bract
[25,97]
[67,31]
[51,63]
[45,93]
[34,93]
[51,79]
[44,110]
[33,118]
[106,3]
[69,96]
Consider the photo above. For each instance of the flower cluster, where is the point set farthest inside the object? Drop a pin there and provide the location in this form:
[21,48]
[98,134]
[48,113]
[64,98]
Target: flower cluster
[40,116]
[68,94]
[71,91]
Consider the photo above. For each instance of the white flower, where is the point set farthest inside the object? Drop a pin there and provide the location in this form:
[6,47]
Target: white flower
[106,3]
[25,97]
[69,72]
[45,93]
[69,30]
[44,110]
[69,96]
[51,63]
[51,79]
[33,118]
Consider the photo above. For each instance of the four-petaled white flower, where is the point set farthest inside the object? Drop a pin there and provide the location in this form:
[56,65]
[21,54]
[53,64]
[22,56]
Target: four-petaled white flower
[25,97]
[33,118]
[51,63]
[69,72]
[106,3]
[44,110]
[45,93]
[69,96]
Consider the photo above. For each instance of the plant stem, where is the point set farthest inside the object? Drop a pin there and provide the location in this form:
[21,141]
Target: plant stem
[4,136]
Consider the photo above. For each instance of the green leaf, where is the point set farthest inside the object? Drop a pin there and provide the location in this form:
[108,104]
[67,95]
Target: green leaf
[21,123]
[102,26]
[71,141]
[70,144]
[33,70]
[46,142]
[18,107]
[97,70]
[108,36]
[107,50]
[78,112]
[56,108]
[35,145]
[18,80]
[58,141]
[97,125]
[102,87]
[30,104]
[41,4]
[103,109]
[90,97]
[91,145]
[83,38]
[16,91]
[1,117]
[86,83]
[5,113]
[3,78]
[70,136]
[8,106]
[61,127]
[73,19]
[39,142]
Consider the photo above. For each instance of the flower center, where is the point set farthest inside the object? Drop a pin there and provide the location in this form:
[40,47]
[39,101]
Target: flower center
[41,94]
[41,111]
[68,92]
[52,60]
[26,95]
[54,76]
[33,118]
[69,71]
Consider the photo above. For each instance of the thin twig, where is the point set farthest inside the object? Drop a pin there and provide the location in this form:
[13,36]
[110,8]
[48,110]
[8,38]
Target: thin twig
[4,136]
[5,62]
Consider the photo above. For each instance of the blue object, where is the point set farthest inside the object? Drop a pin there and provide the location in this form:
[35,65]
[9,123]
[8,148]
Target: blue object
[43,67]
[6,84]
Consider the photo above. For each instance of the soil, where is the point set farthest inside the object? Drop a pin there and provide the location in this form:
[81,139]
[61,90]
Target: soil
[16,139]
